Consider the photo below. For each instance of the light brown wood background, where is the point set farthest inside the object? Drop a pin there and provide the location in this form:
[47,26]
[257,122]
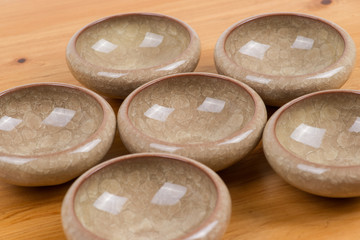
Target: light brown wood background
[33,37]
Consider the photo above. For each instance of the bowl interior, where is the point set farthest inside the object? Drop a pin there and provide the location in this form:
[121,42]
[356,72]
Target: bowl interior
[46,119]
[132,42]
[145,198]
[191,109]
[324,129]
[284,45]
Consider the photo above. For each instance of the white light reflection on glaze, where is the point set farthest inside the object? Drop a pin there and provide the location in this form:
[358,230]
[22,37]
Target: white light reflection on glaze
[164,148]
[308,135]
[212,105]
[203,232]
[158,112]
[238,138]
[110,203]
[169,194]
[311,169]
[16,160]
[151,40]
[254,49]
[356,126]
[88,147]
[327,74]
[8,123]
[303,43]
[104,46]
[171,66]
[59,117]
[258,79]
[111,75]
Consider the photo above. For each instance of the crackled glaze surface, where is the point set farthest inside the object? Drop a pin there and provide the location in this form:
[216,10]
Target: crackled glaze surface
[290,45]
[211,118]
[51,133]
[147,197]
[313,143]
[283,55]
[46,119]
[187,110]
[324,129]
[117,54]
[133,42]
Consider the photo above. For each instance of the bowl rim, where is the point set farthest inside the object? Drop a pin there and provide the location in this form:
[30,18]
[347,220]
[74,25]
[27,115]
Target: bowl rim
[192,34]
[275,118]
[213,177]
[253,95]
[104,105]
[343,34]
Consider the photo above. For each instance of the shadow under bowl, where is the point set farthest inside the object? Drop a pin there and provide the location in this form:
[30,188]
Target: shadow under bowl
[211,118]
[147,196]
[285,55]
[52,132]
[313,143]
[117,54]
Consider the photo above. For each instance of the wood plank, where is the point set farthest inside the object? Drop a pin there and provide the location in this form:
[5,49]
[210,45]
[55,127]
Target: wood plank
[264,206]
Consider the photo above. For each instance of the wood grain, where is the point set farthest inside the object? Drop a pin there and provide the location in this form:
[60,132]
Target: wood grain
[33,37]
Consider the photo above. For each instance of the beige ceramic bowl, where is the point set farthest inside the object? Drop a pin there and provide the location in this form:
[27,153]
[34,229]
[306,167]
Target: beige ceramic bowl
[52,132]
[147,196]
[313,142]
[117,54]
[208,117]
[285,55]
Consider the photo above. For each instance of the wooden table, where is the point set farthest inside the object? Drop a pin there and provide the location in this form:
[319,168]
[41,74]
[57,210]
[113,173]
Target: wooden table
[33,37]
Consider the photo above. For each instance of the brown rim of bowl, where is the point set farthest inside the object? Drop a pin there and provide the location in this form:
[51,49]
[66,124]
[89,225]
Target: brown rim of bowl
[298,100]
[72,43]
[223,38]
[105,106]
[245,87]
[213,177]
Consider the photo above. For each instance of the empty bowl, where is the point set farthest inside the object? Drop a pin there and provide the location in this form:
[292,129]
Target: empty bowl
[147,196]
[211,118]
[313,143]
[52,132]
[117,54]
[285,55]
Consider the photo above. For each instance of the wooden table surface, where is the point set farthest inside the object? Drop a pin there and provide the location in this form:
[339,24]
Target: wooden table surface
[33,37]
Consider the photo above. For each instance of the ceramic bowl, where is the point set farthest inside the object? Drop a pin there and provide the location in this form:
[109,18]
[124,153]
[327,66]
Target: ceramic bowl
[147,196]
[117,54]
[285,55]
[52,132]
[207,117]
[313,143]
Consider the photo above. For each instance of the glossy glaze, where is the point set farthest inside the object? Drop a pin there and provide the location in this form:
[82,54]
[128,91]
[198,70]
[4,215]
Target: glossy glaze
[313,143]
[117,54]
[147,196]
[286,55]
[210,118]
[51,133]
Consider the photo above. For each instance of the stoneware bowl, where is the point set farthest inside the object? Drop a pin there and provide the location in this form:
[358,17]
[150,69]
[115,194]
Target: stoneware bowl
[117,54]
[147,196]
[285,55]
[313,142]
[52,132]
[208,117]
